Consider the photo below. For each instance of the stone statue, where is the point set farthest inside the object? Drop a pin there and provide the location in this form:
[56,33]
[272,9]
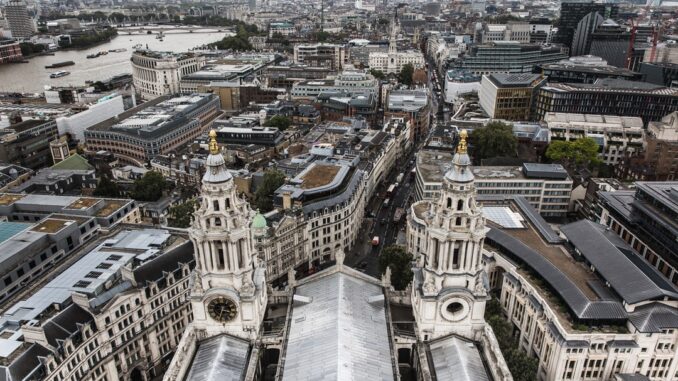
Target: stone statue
[386,278]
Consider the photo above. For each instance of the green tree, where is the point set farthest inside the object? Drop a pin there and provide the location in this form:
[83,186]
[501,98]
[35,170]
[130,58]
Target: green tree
[279,121]
[405,75]
[522,366]
[117,17]
[378,74]
[107,188]
[400,262]
[263,197]
[575,153]
[28,48]
[150,187]
[181,215]
[496,139]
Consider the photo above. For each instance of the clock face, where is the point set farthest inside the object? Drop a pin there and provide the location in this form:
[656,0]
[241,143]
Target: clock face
[222,309]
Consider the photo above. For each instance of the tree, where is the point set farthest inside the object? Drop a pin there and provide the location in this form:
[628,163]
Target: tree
[181,215]
[405,75]
[150,187]
[107,188]
[400,262]
[279,121]
[522,366]
[378,74]
[575,153]
[28,48]
[263,197]
[496,139]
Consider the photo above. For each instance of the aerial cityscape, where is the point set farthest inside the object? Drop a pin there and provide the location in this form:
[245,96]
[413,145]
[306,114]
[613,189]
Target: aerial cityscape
[283,190]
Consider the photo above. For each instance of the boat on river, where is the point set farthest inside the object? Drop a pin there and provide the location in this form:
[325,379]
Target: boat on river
[59,74]
[59,64]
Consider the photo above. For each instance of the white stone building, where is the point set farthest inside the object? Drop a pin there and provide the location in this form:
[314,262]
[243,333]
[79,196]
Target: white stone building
[393,61]
[618,136]
[159,73]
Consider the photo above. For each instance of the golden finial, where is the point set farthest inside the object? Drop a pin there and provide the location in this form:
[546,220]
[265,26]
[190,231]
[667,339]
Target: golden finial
[214,148]
[461,148]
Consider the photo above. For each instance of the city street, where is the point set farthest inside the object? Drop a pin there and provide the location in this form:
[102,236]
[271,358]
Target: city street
[379,215]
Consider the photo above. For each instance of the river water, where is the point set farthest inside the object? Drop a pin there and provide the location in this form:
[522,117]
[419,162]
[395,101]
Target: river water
[32,77]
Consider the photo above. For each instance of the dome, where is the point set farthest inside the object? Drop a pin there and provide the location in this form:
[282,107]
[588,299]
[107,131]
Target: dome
[259,221]
[216,171]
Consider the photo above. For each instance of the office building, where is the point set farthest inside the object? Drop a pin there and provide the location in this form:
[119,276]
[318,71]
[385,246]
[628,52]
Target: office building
[660,73]
[160,73]
[509,57]
[547,187]
[412,104]
[329,56]
[572,12]
[608,97]
[26,143]
[157,127]
[19,22]
[509,96]
[115,314]
[284,77]
[511,31]
[585,69]
[617,136]
[346,81]
[10,51]
[658,159]
[646,219]
[581,42]
[459,82]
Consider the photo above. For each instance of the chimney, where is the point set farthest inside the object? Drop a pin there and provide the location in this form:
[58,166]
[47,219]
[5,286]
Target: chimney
[287,200]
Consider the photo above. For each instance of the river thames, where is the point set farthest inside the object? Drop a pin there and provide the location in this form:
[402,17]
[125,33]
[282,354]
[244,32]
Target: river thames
[32,77]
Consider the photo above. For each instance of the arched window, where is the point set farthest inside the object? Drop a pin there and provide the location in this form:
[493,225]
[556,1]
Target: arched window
[460,204]
[458,222]
[228,203]
[215,204]
[449,202]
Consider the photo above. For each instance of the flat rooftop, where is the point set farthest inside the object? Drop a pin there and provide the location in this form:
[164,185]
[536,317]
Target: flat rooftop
[9,199]
[51,225]
[319,175]
[83,203]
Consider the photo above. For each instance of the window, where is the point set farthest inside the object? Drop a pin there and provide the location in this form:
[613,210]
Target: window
[215,204]
[460,205]
[82,284]
[114,257]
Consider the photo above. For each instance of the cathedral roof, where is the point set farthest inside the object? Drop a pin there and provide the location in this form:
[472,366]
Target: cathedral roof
[457,359]
[338,331]
[221,357]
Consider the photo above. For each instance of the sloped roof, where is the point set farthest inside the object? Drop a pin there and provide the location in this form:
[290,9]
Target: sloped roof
[338,331]
[219,358]
[74,162]
[606,252]
[457,359]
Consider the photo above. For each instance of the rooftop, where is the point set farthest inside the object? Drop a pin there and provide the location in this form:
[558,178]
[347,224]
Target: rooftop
[515,80]
[51,225]
[318,175]
[338,330]
[593,120]
[613,85]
